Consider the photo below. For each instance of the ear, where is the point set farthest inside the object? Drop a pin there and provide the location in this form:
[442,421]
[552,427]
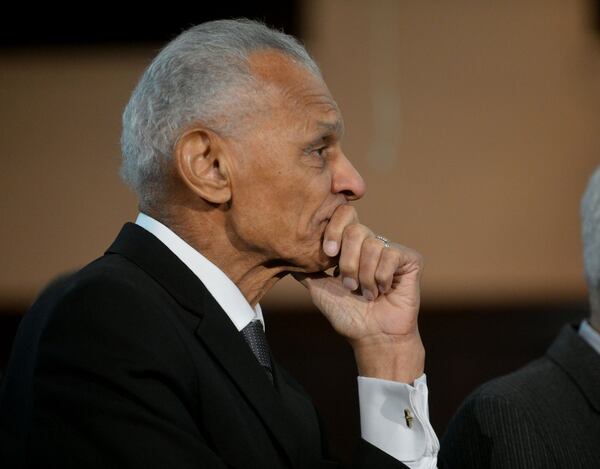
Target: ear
[202,165]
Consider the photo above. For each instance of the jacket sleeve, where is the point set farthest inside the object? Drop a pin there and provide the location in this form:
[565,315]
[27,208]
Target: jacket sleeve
[369,456]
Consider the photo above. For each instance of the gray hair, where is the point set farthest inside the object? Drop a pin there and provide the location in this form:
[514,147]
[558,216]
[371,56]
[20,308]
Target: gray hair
[590,217]
[203,75]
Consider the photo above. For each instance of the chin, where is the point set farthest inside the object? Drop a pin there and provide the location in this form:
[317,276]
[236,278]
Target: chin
[317,262]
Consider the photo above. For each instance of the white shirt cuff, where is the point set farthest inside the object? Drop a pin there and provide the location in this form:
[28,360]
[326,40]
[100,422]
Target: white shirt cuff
[394,417]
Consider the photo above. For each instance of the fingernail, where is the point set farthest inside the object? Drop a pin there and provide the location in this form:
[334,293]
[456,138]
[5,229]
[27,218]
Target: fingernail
[381,288]
[330,248]
[350,283]
[368,295]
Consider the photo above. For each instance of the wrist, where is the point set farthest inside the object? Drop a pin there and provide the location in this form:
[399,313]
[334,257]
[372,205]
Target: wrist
[399,359]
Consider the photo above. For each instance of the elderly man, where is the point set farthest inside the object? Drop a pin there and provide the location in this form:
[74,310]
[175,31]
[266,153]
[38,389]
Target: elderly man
[546,415]
[154,355]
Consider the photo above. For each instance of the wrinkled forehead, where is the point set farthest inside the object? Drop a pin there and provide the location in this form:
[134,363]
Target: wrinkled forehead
[296,92]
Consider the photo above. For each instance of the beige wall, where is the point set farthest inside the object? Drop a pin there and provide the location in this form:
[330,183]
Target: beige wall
[475,125]
[62,200]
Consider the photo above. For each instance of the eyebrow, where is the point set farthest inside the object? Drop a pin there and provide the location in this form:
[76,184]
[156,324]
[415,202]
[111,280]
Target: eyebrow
[336,128]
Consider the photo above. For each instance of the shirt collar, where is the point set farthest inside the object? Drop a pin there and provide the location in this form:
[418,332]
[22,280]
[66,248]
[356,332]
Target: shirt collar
[224,291]
[590,335]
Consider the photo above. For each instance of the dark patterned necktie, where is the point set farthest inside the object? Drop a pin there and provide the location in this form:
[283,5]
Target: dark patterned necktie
[257,341]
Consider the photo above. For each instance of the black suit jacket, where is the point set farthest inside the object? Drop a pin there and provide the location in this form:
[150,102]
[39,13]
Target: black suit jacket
[546,415]
[130,362]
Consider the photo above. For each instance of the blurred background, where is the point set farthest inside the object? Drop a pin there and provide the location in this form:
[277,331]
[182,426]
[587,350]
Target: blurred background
[475,125]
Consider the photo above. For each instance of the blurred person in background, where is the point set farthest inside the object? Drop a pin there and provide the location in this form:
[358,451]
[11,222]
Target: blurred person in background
[154,354]
[547,414]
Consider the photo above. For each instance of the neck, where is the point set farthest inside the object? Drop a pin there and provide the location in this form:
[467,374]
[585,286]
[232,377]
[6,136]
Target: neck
[252,273]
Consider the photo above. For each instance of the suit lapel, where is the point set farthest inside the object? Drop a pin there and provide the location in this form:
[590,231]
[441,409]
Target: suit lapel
[229,348]
[580,361]
[157,260]
[215,331]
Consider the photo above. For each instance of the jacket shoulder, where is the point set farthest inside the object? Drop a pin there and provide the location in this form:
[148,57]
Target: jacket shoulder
[498,424]
[109,304]
[109,283]
[522,386]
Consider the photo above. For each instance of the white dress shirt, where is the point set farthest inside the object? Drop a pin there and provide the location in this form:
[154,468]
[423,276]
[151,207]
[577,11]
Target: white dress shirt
[384,405]
[590,335]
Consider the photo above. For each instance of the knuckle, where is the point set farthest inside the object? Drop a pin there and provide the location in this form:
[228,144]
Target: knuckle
[397,254]
[419,259]
[382,276]
[372,244]
[384,273]
[414,257]
[381,280]
[354,232]
[404,255]
[367,265]
[390,256]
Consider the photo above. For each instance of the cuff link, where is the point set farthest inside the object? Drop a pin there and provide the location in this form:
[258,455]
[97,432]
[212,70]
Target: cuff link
[408,417]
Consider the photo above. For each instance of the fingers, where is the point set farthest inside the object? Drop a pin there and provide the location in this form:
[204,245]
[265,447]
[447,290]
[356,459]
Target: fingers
[386,269]
[366,263]
[343,216]
[353,238]
[371,253]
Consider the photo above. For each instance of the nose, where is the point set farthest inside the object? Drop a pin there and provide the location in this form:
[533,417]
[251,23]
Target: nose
[346,179]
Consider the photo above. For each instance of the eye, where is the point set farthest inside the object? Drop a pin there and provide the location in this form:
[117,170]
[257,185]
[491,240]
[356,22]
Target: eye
[318,152]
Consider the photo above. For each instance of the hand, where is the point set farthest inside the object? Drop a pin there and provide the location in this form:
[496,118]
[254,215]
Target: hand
[373,300]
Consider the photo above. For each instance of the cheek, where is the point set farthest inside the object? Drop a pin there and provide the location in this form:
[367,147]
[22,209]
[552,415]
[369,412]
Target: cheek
[314,215]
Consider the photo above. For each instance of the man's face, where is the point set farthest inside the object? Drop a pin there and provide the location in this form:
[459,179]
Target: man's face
[289,173]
